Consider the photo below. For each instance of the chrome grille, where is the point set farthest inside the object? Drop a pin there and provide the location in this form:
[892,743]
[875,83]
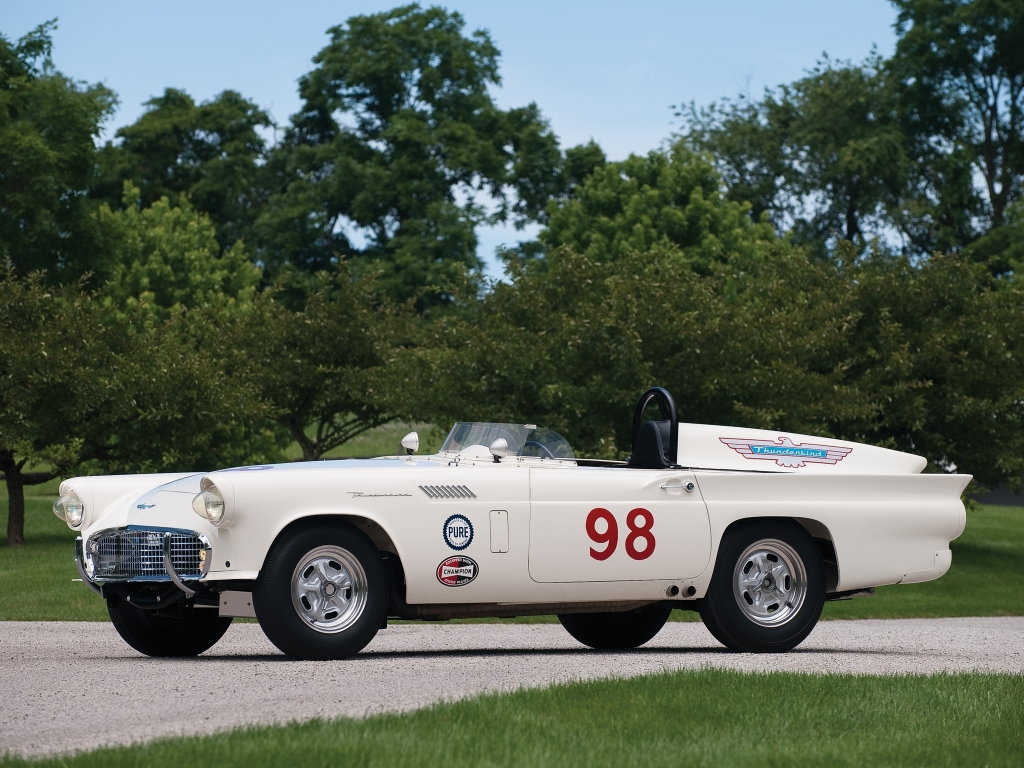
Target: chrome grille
[447,491]
[139,554]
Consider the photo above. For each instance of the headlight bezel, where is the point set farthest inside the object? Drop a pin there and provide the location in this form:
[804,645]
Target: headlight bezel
[70,508]
[213,502]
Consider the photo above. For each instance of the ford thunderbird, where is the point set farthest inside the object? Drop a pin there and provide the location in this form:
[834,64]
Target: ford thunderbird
[753,529]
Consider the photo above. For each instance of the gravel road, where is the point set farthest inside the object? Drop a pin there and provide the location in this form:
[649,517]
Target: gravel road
[72,686]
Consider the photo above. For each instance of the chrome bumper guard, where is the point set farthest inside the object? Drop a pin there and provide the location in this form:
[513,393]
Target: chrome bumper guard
[81,568]
[169,567]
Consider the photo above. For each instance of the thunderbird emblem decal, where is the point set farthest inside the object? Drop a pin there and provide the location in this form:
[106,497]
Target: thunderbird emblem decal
[786,453]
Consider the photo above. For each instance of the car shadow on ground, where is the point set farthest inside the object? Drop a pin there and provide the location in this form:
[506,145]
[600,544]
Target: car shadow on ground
[464,653]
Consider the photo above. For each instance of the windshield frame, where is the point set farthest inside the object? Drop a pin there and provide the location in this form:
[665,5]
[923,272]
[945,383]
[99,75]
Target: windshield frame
[526,442]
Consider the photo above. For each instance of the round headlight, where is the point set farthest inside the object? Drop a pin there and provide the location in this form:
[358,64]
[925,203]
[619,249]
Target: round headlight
[70,509]
[209,504]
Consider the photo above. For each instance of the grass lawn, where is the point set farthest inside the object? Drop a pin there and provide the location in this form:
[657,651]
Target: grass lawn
[989,550]
[698,718]
[35,579]
[382,441]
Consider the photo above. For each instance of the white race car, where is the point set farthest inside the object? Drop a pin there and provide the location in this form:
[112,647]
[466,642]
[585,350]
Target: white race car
[754,529]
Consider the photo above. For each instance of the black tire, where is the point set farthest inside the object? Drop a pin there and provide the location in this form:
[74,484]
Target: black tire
[293,626]
[616,631]
[757,627]
[177,632]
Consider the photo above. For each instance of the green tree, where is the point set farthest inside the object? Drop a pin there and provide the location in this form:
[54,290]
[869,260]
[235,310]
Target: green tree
[961,67]
[939,354]
[672,199]
[678,287]
[748,150]
[580,162]
[1001,249]
[823,156]
[80,386]
[572,342]
[651,276]
[169,257]
[322,371]
[924,359]
[48,127]
[210,152]
[400,143]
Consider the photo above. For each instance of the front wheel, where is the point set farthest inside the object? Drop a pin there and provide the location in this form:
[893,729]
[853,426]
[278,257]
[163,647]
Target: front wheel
[177,632]
[767,590]
[617,631]
[322,592]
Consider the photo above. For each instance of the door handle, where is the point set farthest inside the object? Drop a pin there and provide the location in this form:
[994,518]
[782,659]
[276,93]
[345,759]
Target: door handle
[688,486]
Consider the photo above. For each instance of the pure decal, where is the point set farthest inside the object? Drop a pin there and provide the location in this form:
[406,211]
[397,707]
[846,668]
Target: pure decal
[458,532]
[457,571]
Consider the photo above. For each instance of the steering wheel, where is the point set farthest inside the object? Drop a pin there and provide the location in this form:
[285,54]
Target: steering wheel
[543,447]
[667,406]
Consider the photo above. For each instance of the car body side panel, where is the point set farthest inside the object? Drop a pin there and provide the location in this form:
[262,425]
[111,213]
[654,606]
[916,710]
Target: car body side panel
[883,526]
[886,528]
[561,549]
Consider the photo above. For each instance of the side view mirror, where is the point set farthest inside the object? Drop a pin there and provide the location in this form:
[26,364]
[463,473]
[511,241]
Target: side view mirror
[499,449]
[411,443]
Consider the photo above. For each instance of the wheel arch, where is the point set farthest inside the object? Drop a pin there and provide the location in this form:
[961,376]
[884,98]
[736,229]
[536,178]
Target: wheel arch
[818,531]
[375,532]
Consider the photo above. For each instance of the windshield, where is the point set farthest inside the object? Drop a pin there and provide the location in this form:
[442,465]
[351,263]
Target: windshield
[524,440]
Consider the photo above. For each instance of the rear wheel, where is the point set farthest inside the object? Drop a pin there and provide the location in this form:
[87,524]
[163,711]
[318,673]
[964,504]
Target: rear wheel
[615,631]
[322,592]
[179,631]
[767,590]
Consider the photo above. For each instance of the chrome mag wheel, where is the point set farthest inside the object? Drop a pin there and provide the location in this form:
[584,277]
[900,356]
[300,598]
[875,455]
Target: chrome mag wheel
[329,589]
[769,582]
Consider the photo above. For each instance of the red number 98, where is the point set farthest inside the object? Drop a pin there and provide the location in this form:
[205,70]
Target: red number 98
[610,536]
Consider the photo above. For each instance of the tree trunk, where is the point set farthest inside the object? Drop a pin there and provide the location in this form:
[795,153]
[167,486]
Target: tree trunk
[309,447]
[15,506]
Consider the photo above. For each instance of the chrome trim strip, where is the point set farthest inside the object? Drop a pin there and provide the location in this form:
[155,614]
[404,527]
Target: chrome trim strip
[169,567]
[81,569]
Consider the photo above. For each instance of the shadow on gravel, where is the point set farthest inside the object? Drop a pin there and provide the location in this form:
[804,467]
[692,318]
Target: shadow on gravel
[485,653]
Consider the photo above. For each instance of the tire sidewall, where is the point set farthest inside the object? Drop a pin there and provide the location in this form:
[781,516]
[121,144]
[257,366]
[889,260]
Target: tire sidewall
[276,612]
[150,633]
[617,631]
[735,629]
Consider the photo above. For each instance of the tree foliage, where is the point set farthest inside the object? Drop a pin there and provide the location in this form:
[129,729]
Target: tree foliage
[573,344]
[940,356]
[840,256]
[48,124]
[79,385]
[672,199]
[960,65]
[823,156]
[322,370]
[209,152]
[168,257]
[398,143]
[927,358]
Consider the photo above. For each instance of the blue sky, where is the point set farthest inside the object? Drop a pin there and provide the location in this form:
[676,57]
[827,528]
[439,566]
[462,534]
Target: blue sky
[602,70]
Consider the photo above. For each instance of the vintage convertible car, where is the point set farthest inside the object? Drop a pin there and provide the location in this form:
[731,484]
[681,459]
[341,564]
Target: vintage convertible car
[754,529]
